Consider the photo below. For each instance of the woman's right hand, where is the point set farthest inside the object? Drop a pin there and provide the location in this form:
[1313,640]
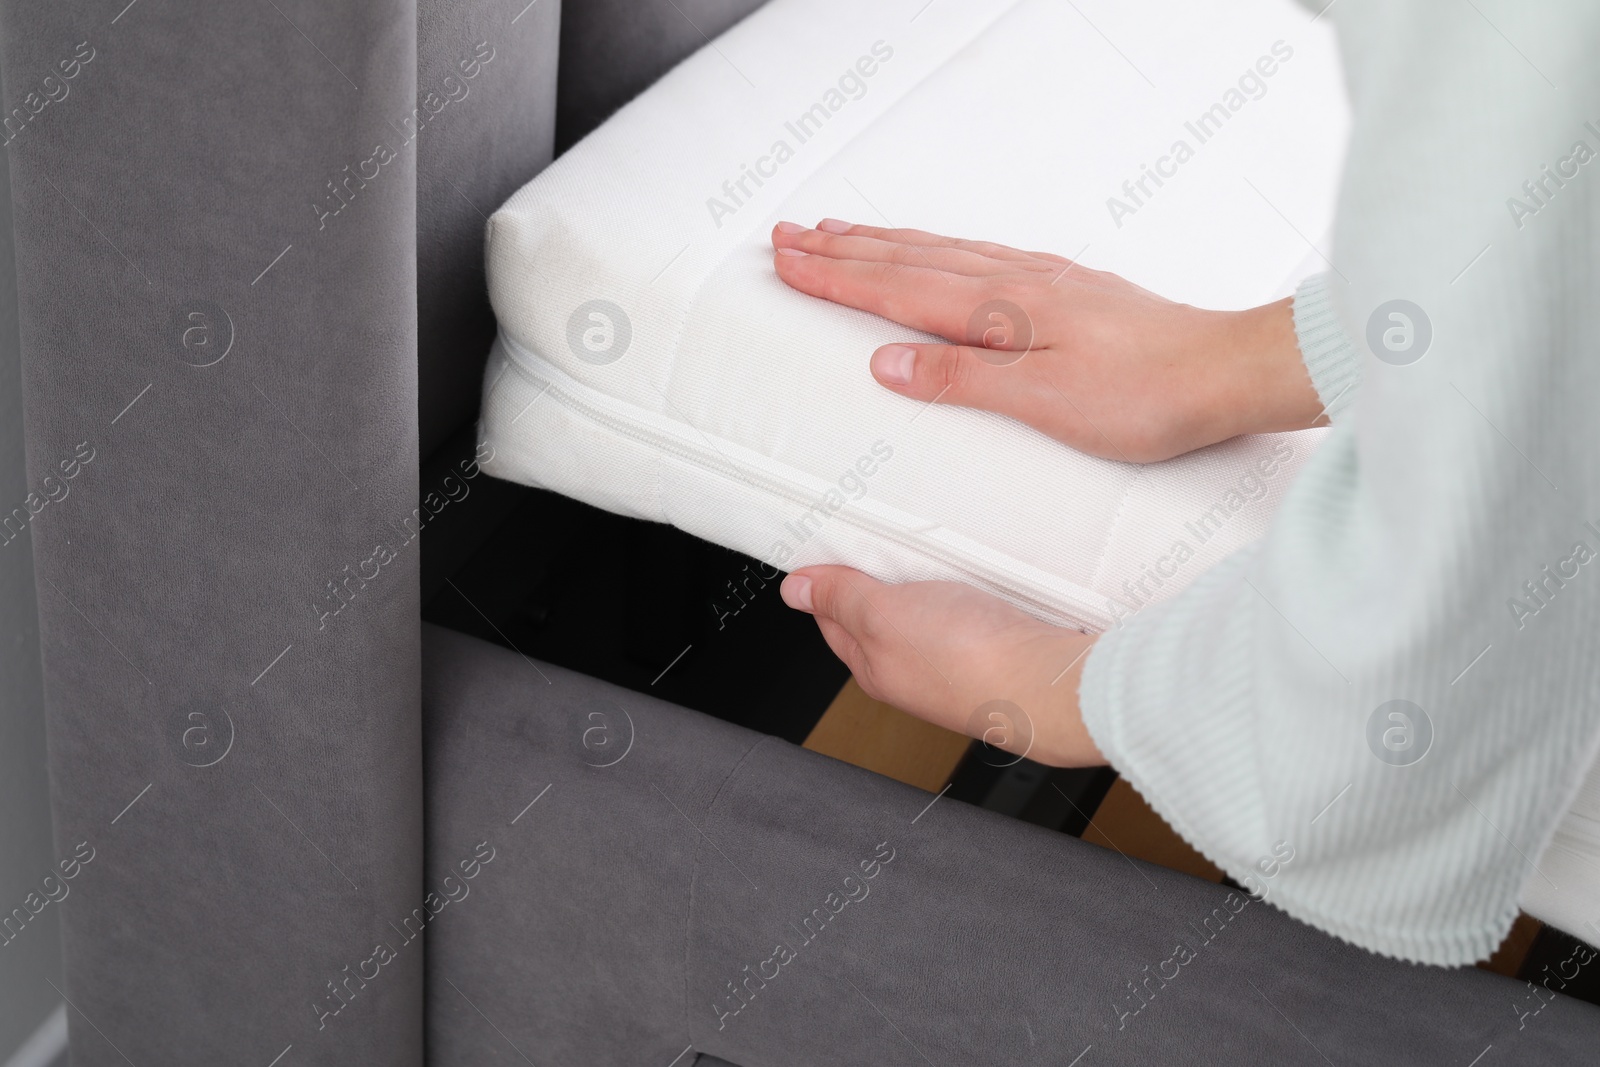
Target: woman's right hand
[1084,356]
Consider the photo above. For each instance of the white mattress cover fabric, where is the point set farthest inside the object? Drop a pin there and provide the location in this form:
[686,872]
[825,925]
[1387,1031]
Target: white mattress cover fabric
[703,392]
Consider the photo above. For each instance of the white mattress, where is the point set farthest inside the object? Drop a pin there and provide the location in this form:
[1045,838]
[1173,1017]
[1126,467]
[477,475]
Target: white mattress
[650,361]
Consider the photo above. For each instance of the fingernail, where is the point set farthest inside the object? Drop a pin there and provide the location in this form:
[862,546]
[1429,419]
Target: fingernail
[796,592]
[790,252]
[833,226]
[894,364]
[790,227]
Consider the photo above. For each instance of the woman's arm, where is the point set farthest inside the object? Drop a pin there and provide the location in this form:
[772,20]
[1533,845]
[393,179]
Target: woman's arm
[1439,550]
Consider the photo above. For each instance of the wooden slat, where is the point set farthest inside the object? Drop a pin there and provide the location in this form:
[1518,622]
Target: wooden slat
[1507,959]
[870,734]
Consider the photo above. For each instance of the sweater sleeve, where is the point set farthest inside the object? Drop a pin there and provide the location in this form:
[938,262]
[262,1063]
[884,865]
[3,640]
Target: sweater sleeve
[1325,345]
[1376,716]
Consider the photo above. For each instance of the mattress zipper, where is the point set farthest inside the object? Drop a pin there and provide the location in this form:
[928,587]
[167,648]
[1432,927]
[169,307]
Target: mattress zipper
[590,403]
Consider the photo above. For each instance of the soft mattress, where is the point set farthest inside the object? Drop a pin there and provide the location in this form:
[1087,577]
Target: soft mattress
[650,362]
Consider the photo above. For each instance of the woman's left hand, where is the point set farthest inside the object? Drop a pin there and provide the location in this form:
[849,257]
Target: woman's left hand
[942,650]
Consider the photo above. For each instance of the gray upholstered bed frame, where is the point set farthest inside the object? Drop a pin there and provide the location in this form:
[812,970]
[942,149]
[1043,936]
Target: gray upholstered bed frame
[248,242]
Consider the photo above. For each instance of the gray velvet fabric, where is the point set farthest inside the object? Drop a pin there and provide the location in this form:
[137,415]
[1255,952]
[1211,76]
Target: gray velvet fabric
[590,878]
[493,132]
[216,246]
[30,951]
[665,858]
[612,50]
[224,215]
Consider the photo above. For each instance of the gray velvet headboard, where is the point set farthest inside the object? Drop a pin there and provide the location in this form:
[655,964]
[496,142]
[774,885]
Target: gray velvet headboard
[249,259]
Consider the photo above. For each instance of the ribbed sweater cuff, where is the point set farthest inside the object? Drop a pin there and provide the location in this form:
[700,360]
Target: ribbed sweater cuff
[1330,355]
[1180,747]
[1170,698]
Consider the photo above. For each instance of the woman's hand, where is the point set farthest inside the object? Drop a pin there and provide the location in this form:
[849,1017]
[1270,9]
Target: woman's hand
[1089,359]
[1083,356]
[942,650]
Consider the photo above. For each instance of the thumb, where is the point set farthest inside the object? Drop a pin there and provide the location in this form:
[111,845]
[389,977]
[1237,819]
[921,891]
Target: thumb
[837,593]
[953,374]
[837,597]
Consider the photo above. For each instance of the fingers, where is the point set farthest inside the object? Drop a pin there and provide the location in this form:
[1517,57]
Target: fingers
[921,297]
[897,235]
[836,593]
[953,374]
[940,285]
[842,601]
[950,258]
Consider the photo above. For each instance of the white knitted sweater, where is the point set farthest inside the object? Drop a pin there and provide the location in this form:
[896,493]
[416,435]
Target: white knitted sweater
[1443,545]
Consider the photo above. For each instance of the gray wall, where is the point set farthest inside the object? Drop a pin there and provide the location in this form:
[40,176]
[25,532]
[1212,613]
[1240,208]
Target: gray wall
[32,960]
